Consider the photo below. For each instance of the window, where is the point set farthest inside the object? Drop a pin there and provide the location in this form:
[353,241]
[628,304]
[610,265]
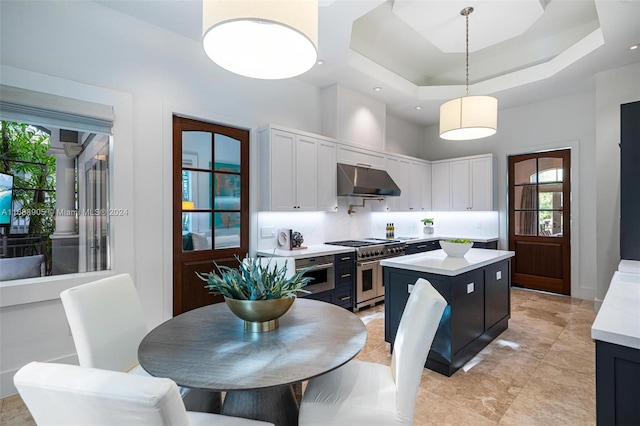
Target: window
[60,212]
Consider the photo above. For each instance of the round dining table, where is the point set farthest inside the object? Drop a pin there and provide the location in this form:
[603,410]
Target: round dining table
[208,348]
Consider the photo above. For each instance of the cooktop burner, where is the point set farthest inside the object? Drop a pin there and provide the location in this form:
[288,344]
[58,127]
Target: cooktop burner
[353,243]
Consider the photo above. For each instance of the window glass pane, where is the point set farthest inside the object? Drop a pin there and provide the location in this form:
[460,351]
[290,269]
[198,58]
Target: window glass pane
[550,197]
[226,195]
[196,231]
[227,154]
[550,169]
[525,172]
[526,223]
[525,197]
[61,189]
[196,189]
[227,230]
[196,150]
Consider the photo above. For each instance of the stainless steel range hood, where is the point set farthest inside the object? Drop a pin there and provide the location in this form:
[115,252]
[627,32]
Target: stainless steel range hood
[363,181]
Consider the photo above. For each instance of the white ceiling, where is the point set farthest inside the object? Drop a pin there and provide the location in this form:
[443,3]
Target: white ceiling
[521,51]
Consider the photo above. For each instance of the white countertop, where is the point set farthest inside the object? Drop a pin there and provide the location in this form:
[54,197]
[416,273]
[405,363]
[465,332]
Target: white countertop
[629,266]
[310,251]
[437,261]
[618,320]
[438,237]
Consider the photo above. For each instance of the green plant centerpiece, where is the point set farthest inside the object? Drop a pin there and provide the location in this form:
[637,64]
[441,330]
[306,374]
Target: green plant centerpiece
[258,291]
[428,225]
[456,247]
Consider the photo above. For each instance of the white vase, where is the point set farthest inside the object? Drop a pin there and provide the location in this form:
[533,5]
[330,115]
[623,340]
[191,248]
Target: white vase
[427,229]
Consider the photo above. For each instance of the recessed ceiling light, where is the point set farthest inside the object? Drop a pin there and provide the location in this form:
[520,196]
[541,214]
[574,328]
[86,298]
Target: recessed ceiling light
[377,89]
[320,62]
[634,47]
[418,107]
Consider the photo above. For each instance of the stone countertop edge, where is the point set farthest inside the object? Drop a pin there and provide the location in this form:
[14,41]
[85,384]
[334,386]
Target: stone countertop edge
[437,261]
[436,237]
[310,251]
[618,320]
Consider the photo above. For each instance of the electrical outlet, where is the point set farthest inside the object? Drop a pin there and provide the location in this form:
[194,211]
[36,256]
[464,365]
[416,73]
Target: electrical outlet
[499,275]
[470,288]
[410,288]
[268,232]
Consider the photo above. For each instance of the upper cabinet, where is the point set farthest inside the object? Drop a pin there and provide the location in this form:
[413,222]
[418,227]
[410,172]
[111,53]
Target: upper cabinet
[414,180]
[463,184]
[289,164]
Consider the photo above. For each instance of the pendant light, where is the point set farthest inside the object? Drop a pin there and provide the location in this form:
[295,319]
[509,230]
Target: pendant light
[261,38]
[468,117]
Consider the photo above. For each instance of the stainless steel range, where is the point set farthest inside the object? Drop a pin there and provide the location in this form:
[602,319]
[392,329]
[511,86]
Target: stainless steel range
[369,279]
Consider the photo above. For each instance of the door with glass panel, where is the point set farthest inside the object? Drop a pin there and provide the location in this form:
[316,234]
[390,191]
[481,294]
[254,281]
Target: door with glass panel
[210,205]
[539,220]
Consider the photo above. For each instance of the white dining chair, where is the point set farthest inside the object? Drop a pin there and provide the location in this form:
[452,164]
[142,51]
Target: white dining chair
[107,324]
[61,394]
[363,393]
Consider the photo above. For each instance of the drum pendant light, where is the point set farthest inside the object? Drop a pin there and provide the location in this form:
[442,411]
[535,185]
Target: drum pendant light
[468,117]
[261,38]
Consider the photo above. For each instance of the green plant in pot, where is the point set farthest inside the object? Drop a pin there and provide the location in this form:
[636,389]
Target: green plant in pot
[258,291]
[428,225]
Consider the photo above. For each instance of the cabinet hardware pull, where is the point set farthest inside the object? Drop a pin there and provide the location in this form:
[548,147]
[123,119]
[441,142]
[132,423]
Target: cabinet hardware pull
[346,258]
[342,299]
[423,246]
[345,275]
[368,166]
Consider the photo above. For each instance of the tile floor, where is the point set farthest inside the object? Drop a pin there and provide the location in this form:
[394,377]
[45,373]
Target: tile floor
[541,371]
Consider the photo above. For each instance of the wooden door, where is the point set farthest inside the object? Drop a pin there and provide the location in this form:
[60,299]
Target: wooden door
[539,220]
[210,205]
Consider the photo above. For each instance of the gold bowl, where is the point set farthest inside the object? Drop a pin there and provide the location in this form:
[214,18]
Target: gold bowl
[260,315]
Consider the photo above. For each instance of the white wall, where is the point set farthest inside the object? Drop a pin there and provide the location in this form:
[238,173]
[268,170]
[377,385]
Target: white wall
[82,48]
[588,123]
[613,88]
[404,137]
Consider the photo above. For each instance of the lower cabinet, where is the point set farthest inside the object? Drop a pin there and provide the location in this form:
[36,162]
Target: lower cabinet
[478,310]
[493,245]
[617,380]
[413,248]
[344,280]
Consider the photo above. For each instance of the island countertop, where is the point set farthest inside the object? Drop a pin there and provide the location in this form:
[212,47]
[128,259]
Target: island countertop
[437,261]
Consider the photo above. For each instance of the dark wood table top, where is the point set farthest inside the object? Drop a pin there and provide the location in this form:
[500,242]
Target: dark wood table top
[207,348]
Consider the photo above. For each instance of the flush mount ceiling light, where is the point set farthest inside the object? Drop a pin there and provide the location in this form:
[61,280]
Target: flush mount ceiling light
[468,117]
[261,39]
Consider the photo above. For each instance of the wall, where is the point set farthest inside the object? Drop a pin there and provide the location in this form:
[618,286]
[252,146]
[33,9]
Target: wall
[613,88]
[83,48]
[404,137]
[588,123]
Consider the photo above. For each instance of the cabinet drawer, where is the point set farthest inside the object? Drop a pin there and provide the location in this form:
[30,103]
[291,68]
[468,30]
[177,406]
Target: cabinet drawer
[324,296]
[422,247]
[344,276]
[344,259]
[343,296]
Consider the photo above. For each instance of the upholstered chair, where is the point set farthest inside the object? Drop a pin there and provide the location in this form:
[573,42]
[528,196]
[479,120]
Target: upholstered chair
[362,393]
[107,324]
[61,394]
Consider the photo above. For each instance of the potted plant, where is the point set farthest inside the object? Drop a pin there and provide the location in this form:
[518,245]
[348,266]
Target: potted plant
[428,225]
[258,291]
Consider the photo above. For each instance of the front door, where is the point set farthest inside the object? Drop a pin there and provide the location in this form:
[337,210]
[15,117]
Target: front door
[210,205]
[539,220]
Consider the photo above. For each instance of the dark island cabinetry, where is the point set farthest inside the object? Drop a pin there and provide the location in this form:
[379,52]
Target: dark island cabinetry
[421,247]
[479,310]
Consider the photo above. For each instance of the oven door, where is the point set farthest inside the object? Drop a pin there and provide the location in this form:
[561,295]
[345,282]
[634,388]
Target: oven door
[322,274]
[368,281]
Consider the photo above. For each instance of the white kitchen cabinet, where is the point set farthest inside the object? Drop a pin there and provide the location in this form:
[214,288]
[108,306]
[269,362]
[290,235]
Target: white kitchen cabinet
[441,186]
[327,176]
[425,187]
[414,180]
[288,171]
[357,156]
[463,184]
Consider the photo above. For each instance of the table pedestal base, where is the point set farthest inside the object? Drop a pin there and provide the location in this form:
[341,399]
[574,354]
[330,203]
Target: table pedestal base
[275,404]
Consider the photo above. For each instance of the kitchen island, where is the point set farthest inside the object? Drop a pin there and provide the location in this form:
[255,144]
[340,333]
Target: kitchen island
[477,288]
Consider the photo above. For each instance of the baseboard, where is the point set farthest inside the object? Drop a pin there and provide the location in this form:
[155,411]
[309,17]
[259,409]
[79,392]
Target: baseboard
[6,377]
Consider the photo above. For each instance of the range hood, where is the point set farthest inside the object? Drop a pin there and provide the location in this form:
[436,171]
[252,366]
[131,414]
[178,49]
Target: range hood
[363,181]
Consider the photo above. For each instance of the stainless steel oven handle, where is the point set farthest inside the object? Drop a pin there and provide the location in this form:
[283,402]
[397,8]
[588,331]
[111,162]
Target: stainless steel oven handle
[368,263]
[317,267]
